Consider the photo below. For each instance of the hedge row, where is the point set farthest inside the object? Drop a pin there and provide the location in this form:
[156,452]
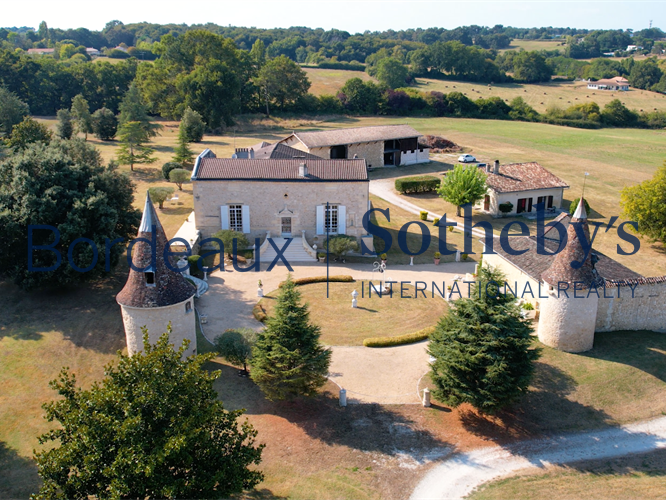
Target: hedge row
[259,313]
[341,278]
[422,184]
[409,338]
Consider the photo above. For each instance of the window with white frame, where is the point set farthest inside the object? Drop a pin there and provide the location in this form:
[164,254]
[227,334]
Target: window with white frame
[236,218]
[331,219]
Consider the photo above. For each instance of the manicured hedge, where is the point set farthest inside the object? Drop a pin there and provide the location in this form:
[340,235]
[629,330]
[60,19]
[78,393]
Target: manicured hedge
[259,313]
[421,184]
[409,338]
[341,278]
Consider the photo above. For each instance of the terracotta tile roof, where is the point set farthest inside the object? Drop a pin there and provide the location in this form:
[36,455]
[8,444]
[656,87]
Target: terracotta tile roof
[516,177]
[355,135]
[170,286]
[535,265]
[211,168]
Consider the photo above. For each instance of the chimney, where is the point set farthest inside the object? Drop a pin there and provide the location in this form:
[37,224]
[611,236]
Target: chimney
[250,154]
[302,170]
[488,170]
[496,167]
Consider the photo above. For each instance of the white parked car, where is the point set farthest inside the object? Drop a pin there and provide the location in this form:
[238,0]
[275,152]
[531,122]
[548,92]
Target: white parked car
[466,159]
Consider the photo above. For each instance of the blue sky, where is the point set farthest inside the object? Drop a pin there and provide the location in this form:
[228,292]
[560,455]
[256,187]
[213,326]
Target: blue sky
[350,15]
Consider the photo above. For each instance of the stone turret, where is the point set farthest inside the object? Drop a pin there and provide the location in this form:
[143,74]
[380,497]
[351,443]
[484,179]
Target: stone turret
[568,316]
[156,294]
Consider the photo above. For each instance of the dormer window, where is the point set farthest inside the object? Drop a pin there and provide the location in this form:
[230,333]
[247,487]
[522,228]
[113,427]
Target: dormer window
[150,278]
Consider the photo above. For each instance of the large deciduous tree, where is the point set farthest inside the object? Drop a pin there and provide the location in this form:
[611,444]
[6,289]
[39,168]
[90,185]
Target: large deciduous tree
[236,346]
[645,203]
[152,428]
[63,184]
[133,136]
[192,126]
[12,111]
[463,185]
[482,349]
[104,124]
[81,114]
[391,73]
[282,83]
[288,359]
[29,132]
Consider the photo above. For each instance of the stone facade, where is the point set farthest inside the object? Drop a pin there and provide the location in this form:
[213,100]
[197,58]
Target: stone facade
[645,310]
[156,320]
[268,202]
[496,199]
[515,277]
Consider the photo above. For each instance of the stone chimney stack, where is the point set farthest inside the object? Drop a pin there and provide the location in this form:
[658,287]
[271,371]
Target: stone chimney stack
[488,168]
[250,154]
[496,167]
[302,170]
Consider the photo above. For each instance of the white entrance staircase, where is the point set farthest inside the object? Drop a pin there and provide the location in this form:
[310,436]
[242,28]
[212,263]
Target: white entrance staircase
[294,252]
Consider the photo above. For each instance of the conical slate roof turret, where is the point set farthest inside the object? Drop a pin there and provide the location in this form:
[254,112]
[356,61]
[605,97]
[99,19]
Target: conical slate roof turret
[561,270]
[156,285]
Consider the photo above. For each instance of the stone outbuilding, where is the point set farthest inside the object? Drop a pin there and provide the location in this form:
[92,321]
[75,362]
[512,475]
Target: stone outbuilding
[524,185]
[156,294]
[380,146]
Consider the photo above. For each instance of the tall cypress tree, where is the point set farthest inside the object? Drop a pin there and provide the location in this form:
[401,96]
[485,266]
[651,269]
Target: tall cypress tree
[133,109]
[482,349]
[288,360]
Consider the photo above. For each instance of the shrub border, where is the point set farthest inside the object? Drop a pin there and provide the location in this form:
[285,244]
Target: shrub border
[409,338]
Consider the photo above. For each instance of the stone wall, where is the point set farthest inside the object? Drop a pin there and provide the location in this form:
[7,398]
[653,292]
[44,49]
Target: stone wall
[646,310]
[568,324]
[156,319]
[372,152]
[268,204]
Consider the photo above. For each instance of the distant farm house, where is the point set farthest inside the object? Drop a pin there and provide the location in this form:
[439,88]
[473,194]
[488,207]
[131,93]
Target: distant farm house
[41,52]
[382,146]
[616,83]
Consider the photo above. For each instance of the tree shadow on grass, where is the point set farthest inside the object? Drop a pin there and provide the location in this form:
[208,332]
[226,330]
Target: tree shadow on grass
[18,475]
[644,350]
[86,315]
[364,427]
[544,409]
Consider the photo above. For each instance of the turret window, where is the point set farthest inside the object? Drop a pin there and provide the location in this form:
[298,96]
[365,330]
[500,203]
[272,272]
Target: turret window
[188,307]
[150,278]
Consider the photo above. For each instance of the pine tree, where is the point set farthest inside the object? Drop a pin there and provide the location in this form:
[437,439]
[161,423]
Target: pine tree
[482,349]
[288,360]
[183,154]
[133,109]
[65,127]
[132,150]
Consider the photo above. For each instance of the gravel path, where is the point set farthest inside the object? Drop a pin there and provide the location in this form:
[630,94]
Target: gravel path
[458,476]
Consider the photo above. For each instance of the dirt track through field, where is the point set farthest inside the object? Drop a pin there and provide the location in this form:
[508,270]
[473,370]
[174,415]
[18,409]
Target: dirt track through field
[458,476]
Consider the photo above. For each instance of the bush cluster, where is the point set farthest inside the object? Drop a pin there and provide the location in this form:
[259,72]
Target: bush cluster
[421,184]
[408,338]
[259,313]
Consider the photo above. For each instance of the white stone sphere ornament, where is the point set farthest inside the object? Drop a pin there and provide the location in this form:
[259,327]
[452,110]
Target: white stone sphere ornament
[354,295]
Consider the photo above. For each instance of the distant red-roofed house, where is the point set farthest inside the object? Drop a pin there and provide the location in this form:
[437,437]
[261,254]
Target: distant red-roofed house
[524,185]
[616,83]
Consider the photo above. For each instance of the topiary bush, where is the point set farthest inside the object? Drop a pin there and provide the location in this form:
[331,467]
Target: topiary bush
[339,278]
[421,184]
[168,167]
[408,338]
[505,208]
[423,215]
[435,221]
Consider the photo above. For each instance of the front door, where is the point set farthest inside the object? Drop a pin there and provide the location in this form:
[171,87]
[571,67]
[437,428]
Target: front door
[522,203]
[286,227]
[486,203]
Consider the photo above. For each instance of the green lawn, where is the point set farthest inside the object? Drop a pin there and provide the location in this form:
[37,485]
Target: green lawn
[633,477]
[375,316]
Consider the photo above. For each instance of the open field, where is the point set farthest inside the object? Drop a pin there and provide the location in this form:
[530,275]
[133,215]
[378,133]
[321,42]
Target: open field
[330,81]
[541,96]
[380,316]
[635,476]
[529,45]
